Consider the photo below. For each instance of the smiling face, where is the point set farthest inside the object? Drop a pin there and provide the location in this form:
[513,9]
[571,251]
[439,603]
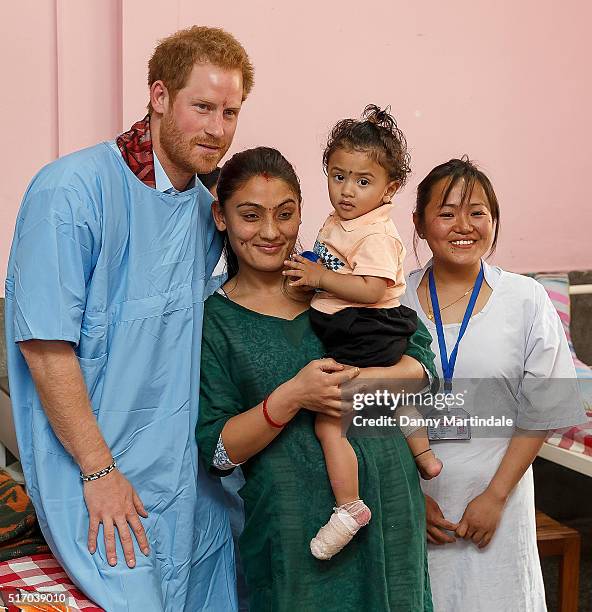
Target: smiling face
[357,183]
[458,232]
[197,127]
[262,220]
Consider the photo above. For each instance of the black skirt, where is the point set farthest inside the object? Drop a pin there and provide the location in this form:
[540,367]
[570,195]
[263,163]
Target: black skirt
[365,337]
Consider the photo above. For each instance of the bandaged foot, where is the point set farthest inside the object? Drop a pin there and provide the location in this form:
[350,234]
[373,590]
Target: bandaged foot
[343,525]
[428,464]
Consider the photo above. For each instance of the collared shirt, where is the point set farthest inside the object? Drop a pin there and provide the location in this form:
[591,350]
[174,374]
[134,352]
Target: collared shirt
[163,182]
[368,245]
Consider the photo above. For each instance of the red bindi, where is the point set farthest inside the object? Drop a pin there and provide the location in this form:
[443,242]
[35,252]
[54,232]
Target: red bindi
[266,176]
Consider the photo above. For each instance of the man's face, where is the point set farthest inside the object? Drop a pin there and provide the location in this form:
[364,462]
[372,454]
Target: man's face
[197,128]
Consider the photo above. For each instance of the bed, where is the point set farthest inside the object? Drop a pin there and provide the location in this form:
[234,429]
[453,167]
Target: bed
[30,577]
[570,447]
[40,582]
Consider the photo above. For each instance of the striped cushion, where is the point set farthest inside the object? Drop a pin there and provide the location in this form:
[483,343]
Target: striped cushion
[557,287]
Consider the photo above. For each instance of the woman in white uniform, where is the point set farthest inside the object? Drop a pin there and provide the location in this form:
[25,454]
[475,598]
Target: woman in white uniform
[480,510]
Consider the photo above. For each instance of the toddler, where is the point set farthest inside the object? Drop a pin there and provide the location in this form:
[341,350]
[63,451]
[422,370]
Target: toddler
[356,311]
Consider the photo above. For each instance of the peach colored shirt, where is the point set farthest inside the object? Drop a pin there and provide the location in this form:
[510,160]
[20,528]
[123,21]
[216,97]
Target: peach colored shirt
[369,245]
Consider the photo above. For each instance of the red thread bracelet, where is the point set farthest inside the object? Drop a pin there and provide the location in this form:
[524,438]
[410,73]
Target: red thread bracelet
[268,418]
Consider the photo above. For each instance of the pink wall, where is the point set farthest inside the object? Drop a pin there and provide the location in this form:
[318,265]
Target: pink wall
[61,68]
[508,83]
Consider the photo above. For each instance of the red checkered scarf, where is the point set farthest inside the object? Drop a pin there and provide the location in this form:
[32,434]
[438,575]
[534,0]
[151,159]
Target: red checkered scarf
[136,148]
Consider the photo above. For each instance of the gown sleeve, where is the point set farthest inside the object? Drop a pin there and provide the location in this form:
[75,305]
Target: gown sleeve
[418,347]
[56,245]
[550,397]
[219,398]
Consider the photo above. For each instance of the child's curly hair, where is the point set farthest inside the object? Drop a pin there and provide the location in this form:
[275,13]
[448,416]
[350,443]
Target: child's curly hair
[377,134]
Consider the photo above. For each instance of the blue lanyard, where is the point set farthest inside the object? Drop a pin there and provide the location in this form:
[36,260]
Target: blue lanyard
[448,365]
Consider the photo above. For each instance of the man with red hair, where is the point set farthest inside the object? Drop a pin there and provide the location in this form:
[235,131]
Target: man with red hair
[112,251]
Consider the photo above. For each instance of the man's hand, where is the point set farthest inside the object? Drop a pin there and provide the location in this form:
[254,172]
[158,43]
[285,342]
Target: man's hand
[111,500]
[481,518]
[304,272]
[435,523]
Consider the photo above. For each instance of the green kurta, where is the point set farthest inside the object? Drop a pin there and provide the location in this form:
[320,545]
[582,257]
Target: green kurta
[287,495]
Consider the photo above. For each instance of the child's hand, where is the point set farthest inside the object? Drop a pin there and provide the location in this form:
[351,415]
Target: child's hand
[304,273]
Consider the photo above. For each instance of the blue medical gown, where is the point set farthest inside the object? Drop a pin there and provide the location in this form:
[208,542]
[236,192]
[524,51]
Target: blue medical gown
[120,270]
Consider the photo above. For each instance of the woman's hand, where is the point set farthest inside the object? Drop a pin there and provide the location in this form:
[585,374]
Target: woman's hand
[481,518]
[483,514]
[435,523]
[317,386]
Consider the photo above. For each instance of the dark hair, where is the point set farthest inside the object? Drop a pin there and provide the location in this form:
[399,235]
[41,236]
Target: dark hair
[238,170]
[209,180]
[377,134]
[457,170]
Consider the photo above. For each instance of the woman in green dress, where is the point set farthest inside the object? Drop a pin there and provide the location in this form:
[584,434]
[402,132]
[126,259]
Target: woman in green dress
[263,379]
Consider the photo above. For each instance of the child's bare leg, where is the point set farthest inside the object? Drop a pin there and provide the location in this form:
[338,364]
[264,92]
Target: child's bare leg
[351,512]
[428,464]
[340,459]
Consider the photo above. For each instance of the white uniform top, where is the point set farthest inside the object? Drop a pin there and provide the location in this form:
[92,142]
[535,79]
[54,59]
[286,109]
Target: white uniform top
[516,335]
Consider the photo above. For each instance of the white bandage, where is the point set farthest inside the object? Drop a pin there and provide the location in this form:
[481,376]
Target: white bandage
[341,528]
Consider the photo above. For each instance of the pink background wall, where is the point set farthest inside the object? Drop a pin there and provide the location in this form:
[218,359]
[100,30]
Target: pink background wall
[508,83]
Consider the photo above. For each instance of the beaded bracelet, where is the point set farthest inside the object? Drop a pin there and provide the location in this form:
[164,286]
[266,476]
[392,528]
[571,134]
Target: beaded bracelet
[99,474]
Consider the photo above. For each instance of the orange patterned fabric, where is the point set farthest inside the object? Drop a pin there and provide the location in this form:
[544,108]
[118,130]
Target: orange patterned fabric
[19,531]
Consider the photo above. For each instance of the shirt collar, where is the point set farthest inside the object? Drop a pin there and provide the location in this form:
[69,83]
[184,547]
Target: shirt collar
[163,182]
[382,213]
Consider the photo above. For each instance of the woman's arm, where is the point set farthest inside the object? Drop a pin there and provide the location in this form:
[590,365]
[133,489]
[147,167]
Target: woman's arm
[482,515]
[546,357]
[408,372]
[521,452]
[248,433]
[315,387]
